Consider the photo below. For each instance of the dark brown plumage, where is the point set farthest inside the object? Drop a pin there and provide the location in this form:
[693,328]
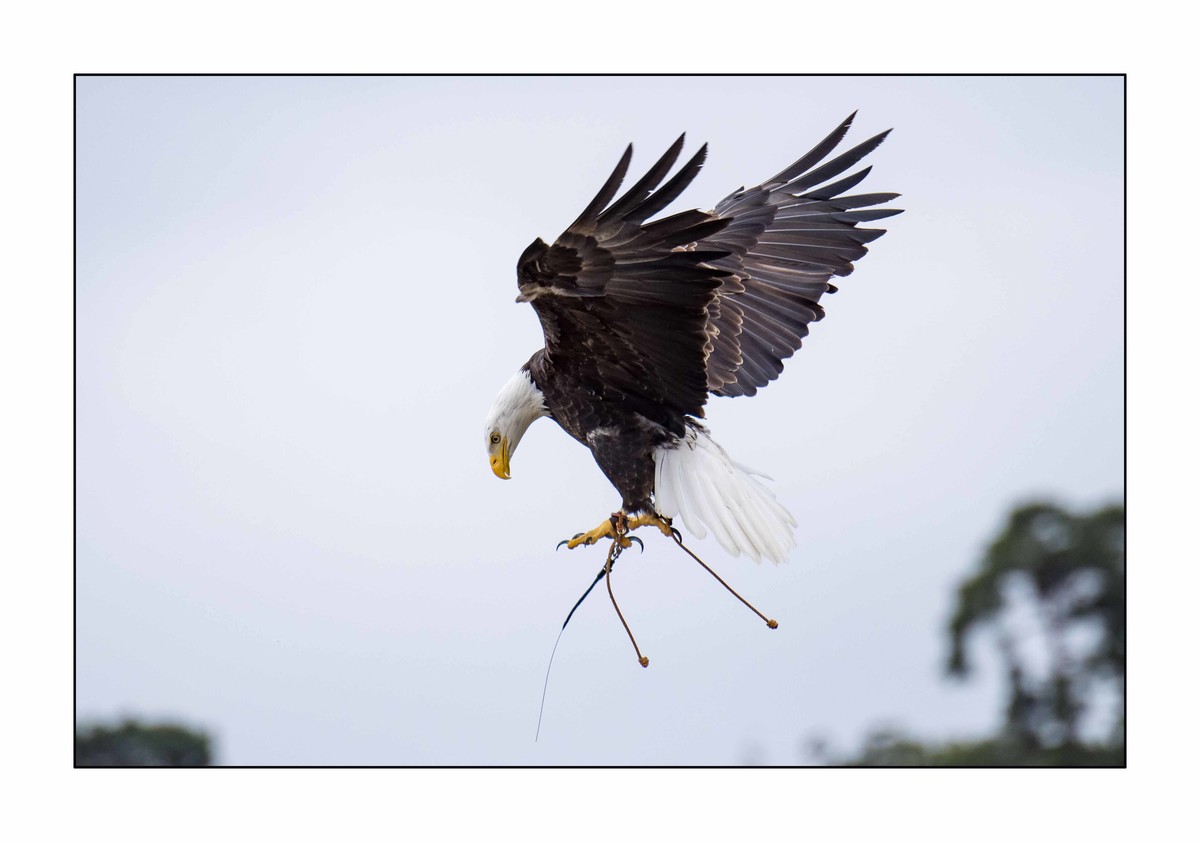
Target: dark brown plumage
[644,320]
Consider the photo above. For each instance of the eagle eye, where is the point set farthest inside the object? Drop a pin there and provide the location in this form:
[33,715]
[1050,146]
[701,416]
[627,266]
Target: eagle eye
[495,438]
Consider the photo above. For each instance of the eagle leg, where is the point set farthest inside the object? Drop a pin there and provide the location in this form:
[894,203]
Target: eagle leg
[615,527]
[650,519]
[618,527]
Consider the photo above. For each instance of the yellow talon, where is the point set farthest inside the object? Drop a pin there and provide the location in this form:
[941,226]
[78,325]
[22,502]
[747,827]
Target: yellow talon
[604,530]
[618,527]
[648,519]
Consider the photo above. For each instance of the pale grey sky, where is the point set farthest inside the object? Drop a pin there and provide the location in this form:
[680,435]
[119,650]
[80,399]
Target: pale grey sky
[295,306]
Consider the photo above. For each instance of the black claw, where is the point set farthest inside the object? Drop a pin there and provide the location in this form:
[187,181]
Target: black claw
[568,540]
[677,535]
[641,546]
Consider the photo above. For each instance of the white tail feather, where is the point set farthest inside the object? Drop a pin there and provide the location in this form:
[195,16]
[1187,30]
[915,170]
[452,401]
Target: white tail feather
[698,482]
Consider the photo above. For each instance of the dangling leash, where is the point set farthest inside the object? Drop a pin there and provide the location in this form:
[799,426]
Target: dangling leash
[614,552]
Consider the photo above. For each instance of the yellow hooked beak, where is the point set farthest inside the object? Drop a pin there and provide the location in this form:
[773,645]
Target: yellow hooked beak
[500,460]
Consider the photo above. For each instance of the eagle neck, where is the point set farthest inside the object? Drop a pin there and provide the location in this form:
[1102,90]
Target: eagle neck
[518,405]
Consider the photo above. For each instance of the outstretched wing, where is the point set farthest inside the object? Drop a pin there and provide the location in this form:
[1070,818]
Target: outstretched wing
[623,303]
[784,240]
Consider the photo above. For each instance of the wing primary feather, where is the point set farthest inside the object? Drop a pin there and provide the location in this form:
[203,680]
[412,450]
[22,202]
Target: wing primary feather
[866,215]
[813,155]
[836,188]
[838,165]
[865,199]
[670,191]
[645,186]
[607,191]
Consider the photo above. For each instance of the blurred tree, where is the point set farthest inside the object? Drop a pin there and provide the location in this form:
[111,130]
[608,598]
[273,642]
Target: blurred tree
[134,744]
[1071,569]
[1051,588]
[893,748]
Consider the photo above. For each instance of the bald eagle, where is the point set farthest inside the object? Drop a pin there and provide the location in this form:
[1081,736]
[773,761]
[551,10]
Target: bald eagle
[643,320]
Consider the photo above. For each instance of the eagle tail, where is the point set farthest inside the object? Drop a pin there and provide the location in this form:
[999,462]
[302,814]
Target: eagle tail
[695,479]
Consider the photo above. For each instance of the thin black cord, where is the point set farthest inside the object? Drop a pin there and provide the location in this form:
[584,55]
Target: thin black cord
[596,581]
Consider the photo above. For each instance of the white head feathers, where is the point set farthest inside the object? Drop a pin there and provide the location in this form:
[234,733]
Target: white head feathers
[518,405]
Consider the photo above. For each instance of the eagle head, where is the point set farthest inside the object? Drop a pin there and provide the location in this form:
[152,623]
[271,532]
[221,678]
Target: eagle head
[518,405]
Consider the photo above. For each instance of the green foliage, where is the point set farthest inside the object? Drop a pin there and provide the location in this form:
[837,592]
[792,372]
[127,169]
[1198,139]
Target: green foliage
[892,748]
[1064,574]
[134,744]
[1072,569]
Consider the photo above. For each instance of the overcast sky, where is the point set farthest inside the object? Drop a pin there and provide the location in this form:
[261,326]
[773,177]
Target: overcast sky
[295,305]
